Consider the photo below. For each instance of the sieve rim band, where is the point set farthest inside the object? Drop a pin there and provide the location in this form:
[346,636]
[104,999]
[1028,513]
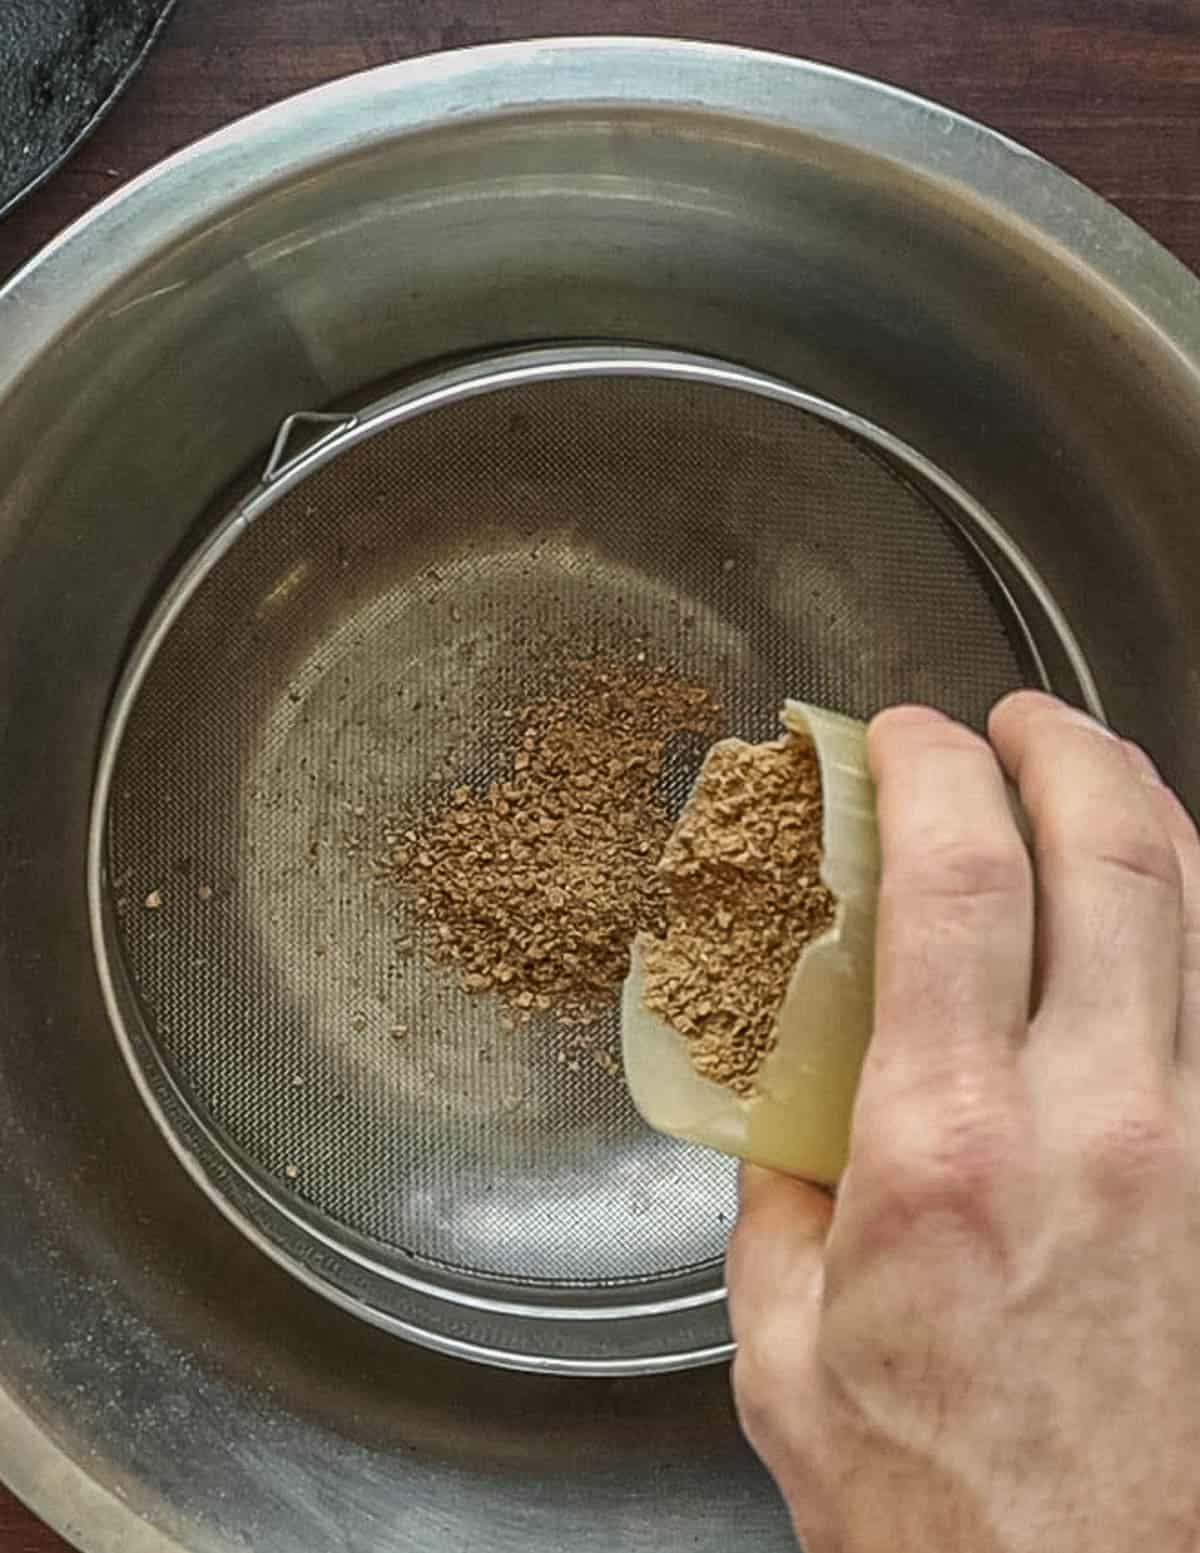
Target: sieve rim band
[288,1233]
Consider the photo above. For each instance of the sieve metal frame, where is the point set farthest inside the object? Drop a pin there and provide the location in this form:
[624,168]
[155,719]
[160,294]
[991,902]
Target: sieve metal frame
[577,1333]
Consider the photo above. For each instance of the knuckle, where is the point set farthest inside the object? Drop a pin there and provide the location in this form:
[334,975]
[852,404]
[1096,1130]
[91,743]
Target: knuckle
[755,1386]
[1125,1155]
[1141,853]
[960,869]
[778,1422]
[945,1157]
[1130,845]
[748,1379]
[954,1171]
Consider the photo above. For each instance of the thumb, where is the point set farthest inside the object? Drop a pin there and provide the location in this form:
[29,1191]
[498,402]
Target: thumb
[775,1263]
[775,1271]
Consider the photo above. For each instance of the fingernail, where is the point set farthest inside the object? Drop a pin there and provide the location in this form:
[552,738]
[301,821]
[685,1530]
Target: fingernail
[1092,724]
[1142,763]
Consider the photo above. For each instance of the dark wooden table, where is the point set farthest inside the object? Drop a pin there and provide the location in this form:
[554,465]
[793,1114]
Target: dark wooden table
[1109,89]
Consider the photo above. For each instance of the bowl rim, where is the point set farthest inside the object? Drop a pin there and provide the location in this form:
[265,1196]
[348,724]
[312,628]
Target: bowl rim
[352,114]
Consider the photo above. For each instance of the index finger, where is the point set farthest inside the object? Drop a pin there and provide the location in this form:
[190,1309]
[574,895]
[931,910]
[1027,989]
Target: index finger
[954,944]
[1110,896]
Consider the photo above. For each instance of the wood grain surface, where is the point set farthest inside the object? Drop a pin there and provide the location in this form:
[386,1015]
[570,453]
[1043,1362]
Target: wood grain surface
[1109,89]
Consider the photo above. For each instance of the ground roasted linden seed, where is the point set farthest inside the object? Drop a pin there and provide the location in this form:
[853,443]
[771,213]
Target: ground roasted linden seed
[534,888]
[744,898]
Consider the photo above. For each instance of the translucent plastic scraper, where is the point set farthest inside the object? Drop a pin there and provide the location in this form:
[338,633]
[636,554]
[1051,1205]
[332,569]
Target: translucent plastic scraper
[798,1117]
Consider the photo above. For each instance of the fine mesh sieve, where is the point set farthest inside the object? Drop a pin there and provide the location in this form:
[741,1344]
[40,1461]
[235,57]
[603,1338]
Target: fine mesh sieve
[345,645]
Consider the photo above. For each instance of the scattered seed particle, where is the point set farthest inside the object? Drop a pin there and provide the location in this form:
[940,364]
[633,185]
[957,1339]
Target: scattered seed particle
[154,900]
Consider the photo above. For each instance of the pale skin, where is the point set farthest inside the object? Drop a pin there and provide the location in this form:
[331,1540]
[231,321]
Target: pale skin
[990,1341]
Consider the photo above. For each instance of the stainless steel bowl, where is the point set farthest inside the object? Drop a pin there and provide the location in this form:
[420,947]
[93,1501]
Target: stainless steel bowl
[162,1385]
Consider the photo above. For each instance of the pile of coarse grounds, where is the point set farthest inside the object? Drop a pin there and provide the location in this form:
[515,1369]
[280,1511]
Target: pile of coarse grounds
[744,898]
[535,888]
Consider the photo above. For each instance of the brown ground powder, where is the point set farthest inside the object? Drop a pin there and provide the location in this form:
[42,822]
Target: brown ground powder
[744,898]
[535,888]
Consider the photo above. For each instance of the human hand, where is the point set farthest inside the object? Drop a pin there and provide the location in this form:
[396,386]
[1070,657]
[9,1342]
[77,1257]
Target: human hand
[990,1342]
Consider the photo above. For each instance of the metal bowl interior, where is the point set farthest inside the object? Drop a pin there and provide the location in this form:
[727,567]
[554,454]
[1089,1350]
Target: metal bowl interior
[353,641]
[873,249]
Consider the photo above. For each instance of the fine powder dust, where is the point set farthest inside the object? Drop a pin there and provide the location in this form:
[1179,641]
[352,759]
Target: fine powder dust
[744,898]
[534,888]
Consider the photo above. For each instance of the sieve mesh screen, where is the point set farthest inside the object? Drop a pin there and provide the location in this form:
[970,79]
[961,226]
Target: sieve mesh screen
[354,653]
